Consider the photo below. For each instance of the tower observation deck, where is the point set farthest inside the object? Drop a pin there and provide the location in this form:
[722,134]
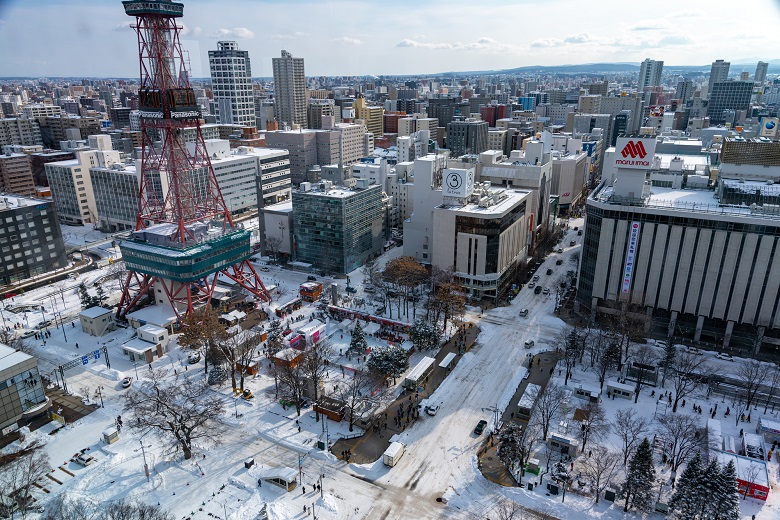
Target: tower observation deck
[185,239]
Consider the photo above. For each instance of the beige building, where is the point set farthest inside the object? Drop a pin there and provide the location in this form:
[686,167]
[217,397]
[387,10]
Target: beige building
[16,174]
[22,131]
[373,117]
[289,90]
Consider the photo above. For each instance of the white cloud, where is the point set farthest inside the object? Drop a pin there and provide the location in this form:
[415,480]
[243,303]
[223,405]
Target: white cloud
[287,36]
[580,38]
[236,32]
[346,40]
[193,32]
[675,39]
[483,44]
[546,42]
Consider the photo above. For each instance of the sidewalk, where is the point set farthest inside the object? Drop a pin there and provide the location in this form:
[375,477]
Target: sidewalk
[490,465]
[371,445]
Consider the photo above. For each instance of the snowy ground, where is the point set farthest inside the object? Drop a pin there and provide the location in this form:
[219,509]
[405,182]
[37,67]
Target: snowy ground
[439,462]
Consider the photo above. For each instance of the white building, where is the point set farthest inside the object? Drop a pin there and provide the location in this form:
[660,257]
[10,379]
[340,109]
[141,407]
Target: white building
[231,81]
[37,110]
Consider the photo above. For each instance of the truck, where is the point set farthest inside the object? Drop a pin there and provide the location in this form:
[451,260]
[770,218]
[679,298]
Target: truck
[393,453]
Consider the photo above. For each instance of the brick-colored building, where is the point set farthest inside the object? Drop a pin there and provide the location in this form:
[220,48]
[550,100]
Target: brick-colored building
[16,174]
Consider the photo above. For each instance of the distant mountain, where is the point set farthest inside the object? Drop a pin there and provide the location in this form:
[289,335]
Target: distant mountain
[600,68]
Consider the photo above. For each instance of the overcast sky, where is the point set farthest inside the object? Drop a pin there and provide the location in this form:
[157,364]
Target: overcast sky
[357,37]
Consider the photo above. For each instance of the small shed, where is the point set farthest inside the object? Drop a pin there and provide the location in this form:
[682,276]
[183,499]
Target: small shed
[137,349]
[285,478]
[154,335]
[620,390]
[372,328]
[562,443]
[96,321]
[769,429]
[331,408]
[288,357]
[110,436]
[753,446]
[232,318]
[714,434]
[446,363]
[588,392]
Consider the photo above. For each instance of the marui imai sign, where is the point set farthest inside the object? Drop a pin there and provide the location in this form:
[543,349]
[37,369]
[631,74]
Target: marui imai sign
[634,152]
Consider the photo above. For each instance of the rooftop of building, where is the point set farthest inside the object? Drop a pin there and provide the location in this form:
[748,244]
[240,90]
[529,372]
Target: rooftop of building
[502,200]
[279,207]
[10,357]
[336,192]
[11,201]
[11,155]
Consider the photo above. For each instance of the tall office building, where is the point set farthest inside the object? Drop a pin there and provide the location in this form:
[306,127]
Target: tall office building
[467,137]
[289,90]
[761,69]
[231,80]
[650,73]
[728,96]
[684,90]
[718,73]
[16,174]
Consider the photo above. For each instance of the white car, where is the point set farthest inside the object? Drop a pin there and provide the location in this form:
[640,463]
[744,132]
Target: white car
[432,409]
[126,382]
[84,459]
[694,350]
[524,313]
[546,290]
[193,358]
[530,343]
[724,356]
[531,285]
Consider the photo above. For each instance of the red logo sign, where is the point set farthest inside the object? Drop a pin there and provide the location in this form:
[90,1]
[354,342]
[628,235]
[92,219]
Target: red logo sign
[634,149]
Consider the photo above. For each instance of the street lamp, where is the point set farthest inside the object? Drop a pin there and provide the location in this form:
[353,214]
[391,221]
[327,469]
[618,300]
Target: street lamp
[100,394]
[146,466]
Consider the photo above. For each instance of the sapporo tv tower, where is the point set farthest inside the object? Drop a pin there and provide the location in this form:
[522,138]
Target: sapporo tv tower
[184,236]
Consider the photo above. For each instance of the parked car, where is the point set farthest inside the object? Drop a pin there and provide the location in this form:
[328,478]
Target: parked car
[480,427]
[546,290]
[535,278]
[531,285]
[28,333]
[264,269]
[193,358]
[311,278]
[126,382]
[694,350]
[724,356]
[432,409]
[572,243]
[529,343]
[538,289]
[560,250]
[84,459]
[559,262]
[549,272]
[369,289]
[579,233]
[43,324]
[524,313]
[351,289]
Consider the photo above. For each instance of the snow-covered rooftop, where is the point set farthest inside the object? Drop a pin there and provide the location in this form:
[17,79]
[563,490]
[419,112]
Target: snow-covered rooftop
[10,357]
[94,312]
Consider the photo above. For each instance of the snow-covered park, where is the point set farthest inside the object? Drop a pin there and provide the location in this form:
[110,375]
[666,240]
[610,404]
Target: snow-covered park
[437,477]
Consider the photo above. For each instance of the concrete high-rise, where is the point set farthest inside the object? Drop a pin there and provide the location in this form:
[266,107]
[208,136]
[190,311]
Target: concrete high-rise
[16,174]
[728,96]
[231,80]
[761,69]
[684,90]
[718,73]
[650,73]
[289,90]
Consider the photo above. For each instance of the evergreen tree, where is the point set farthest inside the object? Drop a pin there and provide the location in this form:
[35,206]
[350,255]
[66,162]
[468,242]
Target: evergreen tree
[86,299]
[424,336]
[668,360]
[388,361]
[358,345]
[101,297]
[640,478]
[274,338]
[689,499]
[218,375]
[725,498]
[708,486]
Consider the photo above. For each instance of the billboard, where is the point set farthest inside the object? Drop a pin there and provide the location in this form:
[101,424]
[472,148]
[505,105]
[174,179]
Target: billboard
[458,182]
[628,273]
[634,152]
[769,127]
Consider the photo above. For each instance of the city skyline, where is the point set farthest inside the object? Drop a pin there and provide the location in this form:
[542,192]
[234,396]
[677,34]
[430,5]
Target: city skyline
[356,39]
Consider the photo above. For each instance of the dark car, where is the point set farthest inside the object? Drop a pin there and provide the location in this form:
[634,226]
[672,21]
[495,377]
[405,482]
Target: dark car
[559,262]
[549,272]
[351,289]
[480,427]
[538,289]
[579,233]
[311,278]
[572,243]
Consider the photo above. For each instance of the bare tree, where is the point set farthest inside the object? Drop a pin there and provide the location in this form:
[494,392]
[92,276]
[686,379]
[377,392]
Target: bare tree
[681,435]
[19,472]
[292,381]
[315,366]
[628,325]
[547,406]
[630,428]
[202,332]
[642,358]
[180,412]
[9,338]
[354,392]
[273,244]
[608,359]
[751,374]
[599,468]
[593,424]
[751,474]
[507,509]
[685,374]
[63,507]
[772,382]
[569,344]
[371,271]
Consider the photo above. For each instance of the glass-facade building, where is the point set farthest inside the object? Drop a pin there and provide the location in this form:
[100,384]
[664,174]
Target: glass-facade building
[336,230]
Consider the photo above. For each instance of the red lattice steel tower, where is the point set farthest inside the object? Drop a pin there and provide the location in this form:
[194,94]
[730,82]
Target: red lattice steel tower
[184,238]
